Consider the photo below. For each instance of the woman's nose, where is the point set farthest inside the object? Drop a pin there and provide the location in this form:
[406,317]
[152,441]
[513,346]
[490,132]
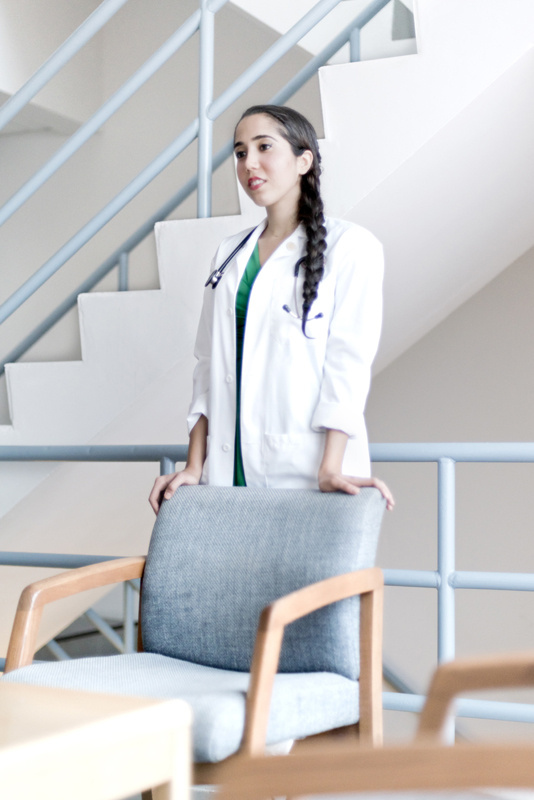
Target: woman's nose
[251,161]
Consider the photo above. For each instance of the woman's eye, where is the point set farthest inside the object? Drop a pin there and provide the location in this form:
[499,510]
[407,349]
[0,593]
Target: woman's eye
[240,154]
[265,146]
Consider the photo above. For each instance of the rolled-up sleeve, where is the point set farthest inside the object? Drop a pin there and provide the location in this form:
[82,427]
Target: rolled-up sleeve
[354,331]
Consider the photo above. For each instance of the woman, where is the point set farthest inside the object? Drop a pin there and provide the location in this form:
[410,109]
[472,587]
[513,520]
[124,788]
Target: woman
[282,397]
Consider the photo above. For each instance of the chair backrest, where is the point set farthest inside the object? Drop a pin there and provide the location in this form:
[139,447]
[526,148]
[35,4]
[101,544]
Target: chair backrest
[219,555]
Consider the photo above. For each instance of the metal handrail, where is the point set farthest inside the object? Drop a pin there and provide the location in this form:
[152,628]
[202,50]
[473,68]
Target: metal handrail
[94,22]
[446,579]
[215,109]
[105,112]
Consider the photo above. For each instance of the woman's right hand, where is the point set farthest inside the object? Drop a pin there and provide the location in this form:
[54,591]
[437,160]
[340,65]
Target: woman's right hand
[166,485]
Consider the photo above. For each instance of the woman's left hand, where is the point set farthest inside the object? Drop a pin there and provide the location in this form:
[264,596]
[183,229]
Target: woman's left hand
[337,482]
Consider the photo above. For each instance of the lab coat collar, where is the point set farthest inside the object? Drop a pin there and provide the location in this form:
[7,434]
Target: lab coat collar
[298,233]
[293,246]
[298,237]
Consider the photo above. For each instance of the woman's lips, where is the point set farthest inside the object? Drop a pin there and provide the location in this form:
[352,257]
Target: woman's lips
[255,183]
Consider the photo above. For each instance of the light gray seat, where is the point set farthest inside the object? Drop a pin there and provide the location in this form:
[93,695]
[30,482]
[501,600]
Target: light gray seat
[217,557]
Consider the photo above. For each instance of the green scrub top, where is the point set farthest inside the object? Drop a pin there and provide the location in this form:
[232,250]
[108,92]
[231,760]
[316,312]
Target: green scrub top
[241,305]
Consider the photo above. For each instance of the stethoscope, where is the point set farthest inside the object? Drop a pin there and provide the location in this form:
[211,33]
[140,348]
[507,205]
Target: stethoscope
[286,307]
[216,275]
[215,278]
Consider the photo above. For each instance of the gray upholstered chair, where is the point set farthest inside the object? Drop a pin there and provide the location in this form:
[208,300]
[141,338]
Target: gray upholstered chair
[217,557]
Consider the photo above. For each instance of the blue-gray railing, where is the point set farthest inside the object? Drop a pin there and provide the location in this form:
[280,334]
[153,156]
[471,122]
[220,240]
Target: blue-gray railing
[209,109]
[445,579]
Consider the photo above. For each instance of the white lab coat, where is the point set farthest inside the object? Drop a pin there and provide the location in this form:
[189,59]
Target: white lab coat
[292,387]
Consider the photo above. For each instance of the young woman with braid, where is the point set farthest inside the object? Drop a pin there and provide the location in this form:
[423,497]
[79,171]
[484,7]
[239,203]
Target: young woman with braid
[289,328]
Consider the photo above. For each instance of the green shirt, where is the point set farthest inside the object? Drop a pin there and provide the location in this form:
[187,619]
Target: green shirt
[241,305]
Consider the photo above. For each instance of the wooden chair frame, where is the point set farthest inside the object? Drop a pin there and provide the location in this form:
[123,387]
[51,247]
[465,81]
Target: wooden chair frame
[425,764]
[327,770]
[367,583]
[464,675]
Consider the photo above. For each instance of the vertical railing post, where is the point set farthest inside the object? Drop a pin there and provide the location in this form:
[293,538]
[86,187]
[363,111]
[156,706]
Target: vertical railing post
[205,98]
[355,45]
[166,466]
[123,272]
[446,566]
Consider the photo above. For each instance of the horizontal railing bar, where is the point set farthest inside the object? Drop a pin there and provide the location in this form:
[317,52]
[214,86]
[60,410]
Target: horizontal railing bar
[508,581]
[424,579]
[397,701]
[476,452]
[464,707]
[270,57]
[57,60]
[481,452]
[105,112]
[495,709]
[74,244]
[92,452]
[51,560]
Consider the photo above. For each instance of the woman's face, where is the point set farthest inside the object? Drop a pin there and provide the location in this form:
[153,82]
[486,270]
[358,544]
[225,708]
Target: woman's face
[267,168]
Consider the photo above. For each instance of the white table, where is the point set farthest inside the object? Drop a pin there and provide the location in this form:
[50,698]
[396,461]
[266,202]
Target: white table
[63,744]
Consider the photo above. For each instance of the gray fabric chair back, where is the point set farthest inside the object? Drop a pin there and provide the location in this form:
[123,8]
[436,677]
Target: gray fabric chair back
[219,555]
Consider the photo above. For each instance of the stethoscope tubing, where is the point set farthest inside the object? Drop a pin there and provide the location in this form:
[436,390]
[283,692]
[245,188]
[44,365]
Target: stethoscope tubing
[218,272]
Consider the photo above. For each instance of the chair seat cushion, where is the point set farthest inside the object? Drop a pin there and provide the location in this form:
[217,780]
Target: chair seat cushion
[303,703]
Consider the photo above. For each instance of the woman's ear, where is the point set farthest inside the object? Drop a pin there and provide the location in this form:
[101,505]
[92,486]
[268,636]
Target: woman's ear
[305,162]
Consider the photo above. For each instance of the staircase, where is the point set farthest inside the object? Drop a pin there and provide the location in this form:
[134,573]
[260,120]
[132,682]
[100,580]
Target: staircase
[430,151]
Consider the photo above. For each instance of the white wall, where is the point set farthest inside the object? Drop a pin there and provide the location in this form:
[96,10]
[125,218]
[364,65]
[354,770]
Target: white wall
[470,379]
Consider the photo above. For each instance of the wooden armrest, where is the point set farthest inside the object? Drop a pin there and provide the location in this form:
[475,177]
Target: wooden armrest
[35,596]
[451,679]
[343,768]
[369,583]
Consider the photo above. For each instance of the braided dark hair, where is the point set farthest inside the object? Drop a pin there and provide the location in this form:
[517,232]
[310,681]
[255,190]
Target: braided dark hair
[300,134]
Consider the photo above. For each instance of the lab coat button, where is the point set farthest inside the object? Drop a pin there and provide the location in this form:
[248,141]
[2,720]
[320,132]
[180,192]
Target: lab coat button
[229,311]
[291,245]
[229,378]
[226,448]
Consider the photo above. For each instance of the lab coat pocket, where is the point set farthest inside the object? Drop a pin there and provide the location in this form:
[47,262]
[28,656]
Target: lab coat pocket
[288,330]
[292,459]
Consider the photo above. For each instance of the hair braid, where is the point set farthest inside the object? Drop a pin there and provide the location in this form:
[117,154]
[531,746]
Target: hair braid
[310,214]
[300,134]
